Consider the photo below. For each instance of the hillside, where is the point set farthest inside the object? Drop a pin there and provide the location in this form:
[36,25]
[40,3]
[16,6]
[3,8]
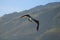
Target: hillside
[14,28]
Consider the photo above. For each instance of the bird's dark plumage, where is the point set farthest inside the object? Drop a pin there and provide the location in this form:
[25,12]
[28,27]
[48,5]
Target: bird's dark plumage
[32,19]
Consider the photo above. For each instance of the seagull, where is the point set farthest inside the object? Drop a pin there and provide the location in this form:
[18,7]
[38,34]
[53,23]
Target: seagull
[30,19]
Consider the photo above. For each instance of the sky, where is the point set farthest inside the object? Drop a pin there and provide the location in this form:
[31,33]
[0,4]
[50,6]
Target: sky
[9,6]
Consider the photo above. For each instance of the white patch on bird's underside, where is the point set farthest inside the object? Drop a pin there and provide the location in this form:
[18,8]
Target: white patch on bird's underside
[30,19]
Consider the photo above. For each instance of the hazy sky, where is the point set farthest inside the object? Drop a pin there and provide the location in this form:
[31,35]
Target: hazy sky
[9,6]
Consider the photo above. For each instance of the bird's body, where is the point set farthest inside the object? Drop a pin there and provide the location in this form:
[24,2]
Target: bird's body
[30,19]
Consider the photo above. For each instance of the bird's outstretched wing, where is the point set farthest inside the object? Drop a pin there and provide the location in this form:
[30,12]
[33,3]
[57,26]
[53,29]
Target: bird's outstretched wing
[37,22]
[25,16]
[37,25]
[22,16]
[30,19]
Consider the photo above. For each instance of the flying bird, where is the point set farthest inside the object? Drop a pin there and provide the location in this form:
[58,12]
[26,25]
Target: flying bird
[30,19]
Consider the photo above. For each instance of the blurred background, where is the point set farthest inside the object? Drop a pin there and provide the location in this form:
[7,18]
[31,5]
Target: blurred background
[9,6]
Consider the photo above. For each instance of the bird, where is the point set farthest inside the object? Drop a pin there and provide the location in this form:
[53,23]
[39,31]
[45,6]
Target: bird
[30,19]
